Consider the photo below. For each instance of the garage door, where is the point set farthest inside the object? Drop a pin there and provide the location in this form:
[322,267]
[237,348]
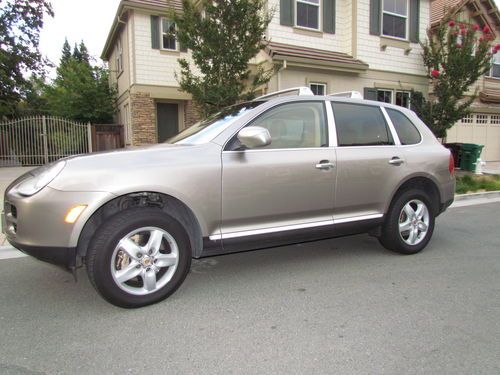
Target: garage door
[479,128]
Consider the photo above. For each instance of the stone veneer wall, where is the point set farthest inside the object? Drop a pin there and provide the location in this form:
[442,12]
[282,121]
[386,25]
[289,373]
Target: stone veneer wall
[143,117]
[191,113]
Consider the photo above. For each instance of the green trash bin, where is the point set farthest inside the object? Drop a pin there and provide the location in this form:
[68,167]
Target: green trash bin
[470,152]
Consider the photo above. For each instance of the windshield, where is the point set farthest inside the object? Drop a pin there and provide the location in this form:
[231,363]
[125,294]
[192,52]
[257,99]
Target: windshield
[206,130]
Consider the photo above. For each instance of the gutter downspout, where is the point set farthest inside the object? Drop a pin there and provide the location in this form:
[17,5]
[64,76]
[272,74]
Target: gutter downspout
[283,67]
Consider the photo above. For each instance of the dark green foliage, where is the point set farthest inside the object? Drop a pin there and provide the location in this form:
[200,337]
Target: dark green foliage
[222,42]
[20,24]
[81,90]
[455,56]
[469,183]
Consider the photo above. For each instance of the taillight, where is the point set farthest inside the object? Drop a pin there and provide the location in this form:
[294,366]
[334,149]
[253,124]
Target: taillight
[451,165]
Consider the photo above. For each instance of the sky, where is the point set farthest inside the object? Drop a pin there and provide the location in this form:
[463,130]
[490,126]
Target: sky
[89,20]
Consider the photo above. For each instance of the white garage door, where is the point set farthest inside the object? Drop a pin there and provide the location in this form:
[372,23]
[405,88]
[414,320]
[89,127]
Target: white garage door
[479,128]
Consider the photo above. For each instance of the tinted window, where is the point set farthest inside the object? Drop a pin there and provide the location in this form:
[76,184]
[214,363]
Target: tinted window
[407,132]
[360,125]
[293,125]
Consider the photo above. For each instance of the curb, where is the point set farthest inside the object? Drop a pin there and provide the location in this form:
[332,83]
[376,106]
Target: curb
[482,195]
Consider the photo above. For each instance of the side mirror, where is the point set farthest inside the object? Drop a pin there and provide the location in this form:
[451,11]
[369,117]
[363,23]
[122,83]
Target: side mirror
[254,136]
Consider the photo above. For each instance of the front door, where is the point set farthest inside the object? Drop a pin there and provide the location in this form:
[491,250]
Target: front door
[286,185]
[168,120]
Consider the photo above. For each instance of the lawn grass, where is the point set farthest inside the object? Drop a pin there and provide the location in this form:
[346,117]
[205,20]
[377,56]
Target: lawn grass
[471,184]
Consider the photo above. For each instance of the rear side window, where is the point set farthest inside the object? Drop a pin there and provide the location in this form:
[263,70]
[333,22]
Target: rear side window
[407,132]
[360,125]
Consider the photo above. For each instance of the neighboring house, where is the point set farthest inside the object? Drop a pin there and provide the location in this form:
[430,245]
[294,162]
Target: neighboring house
[483,125]
[369,46]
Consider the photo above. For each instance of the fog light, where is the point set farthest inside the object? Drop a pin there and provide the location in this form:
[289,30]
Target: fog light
[74,213]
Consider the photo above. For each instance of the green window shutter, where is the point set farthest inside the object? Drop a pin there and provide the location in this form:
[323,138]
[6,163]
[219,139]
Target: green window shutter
[414,20]
[370,93]
[329,16]
[375,16]
[287,8]
[155,32]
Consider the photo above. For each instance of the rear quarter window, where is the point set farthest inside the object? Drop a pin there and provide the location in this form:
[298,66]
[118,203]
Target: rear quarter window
[407,132]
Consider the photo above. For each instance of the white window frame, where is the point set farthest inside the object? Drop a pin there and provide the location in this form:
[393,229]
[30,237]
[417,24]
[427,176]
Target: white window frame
[319,14]
[482,119]
[386,90]
[393,95]
[469,119]
[495,119]
[119,56]
[490,73]
[318,84]
[407,18]
[404,92]
[162,47]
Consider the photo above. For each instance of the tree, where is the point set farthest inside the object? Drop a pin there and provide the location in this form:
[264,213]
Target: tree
[222,41]
[20,24]
[455,56]
[81,90]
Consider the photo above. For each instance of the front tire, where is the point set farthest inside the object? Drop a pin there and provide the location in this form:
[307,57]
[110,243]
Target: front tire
[409,224]
[138,257]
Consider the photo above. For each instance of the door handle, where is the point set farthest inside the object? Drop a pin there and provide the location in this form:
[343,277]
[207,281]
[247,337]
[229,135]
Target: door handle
[325,165]
[396,161]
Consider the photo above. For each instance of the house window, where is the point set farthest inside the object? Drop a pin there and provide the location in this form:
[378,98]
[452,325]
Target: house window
[495,65]
[307,13]
[318,88]
[119,56]
[481,119]
[168,34]
[395,18]
[384,96]
[495,120]
[469,119]
[403,99]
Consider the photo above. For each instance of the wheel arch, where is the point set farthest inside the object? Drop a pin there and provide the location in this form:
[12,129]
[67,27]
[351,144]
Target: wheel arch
[169,204]
[424,182]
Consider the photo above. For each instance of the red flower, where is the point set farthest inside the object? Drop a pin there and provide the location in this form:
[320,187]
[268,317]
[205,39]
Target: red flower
[463,31]
[458,45]
[475,27]
[451,23]
[481,40]
[486,30]
[462,26]
[435,73]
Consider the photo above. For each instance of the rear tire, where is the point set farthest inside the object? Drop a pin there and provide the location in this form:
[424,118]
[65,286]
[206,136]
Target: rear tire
[138,257]
[409,223]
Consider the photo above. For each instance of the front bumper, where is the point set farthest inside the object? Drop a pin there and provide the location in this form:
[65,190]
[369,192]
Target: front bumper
[35,225]
[61,256]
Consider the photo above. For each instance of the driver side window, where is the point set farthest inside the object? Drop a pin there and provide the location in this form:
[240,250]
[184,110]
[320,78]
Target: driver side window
[293,125]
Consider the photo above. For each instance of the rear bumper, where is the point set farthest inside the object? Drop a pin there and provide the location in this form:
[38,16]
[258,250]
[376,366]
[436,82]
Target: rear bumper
[61,256]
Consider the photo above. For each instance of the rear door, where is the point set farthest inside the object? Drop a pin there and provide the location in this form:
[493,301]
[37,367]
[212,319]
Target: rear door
[284,186]
[370,165]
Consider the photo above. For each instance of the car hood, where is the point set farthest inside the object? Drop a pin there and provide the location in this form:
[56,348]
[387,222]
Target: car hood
[98,171]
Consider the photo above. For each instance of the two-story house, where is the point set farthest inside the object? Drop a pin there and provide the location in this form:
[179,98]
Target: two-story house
[369,46]
[482,126]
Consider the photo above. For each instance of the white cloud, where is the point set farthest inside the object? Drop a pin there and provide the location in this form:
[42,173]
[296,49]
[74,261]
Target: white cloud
[88,20]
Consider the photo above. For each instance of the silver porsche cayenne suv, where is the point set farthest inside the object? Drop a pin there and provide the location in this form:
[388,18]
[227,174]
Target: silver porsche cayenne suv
[278,170]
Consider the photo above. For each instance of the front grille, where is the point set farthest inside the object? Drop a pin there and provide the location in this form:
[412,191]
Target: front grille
[10,218]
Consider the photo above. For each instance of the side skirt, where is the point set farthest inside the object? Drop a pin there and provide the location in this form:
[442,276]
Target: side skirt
[263,241]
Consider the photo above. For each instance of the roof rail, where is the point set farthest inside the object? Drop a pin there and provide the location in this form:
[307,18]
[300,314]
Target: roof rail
[303,90]
[347,94]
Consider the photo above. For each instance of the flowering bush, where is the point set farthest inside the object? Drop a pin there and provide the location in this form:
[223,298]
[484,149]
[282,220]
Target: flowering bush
[455,56]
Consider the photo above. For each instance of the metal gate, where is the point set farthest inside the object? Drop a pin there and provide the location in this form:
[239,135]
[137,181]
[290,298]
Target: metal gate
[38,140]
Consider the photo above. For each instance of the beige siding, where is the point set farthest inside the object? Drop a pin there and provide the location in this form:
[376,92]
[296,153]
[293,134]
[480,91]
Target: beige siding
[153,67]
[393,58]
[312,39]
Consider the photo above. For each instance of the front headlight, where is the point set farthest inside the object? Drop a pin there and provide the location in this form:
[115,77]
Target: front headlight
[40,178]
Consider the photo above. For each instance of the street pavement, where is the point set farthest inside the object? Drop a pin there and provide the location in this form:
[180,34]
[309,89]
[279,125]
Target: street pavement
[341,306]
